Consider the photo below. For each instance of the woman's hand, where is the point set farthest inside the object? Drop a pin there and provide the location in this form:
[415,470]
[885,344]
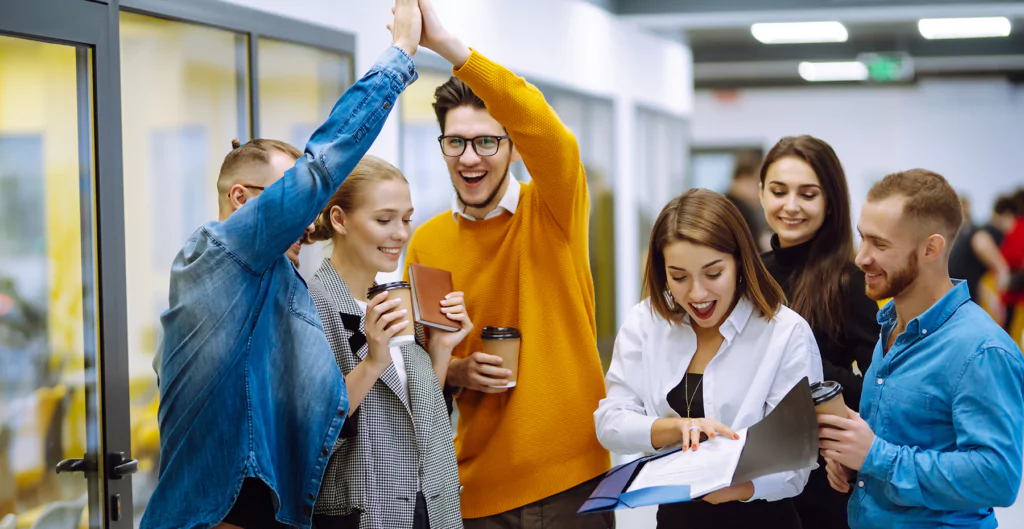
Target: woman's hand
[690,430]
[442,343]
[378,331]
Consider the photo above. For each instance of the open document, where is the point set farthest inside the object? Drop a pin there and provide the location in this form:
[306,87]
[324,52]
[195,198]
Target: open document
[786,439]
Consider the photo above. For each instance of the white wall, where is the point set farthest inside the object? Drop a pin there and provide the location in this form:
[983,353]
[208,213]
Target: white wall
[568,43]
[971,131]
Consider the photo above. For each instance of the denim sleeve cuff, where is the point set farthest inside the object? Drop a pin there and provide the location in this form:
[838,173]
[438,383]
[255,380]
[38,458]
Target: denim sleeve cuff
[396,61]
[880,459]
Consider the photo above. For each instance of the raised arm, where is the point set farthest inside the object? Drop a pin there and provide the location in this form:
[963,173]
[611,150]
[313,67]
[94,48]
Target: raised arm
[549,149]
[266,226]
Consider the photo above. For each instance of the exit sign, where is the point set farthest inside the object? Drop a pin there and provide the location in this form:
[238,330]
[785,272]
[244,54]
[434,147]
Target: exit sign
[888,67]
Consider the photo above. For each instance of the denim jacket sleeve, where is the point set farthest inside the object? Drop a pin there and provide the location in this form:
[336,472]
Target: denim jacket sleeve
[985,469]
[265,227]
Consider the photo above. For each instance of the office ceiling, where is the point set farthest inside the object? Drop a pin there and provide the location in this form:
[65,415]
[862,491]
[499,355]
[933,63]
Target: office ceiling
[727,55]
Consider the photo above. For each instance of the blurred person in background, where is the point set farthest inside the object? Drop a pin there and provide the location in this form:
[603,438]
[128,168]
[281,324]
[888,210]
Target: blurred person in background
[251,399]
[940,440]
[528,455]
[807,204]
[1012,249]
[975,252]
[394,465]
[711,349]
[744,194]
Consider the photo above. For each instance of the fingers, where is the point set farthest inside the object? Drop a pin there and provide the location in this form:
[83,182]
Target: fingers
[495,372]
[685,433]
[835,422]
[724,430]
[694,433]
[483,382]
[482,358]
[837,477]
[838,484]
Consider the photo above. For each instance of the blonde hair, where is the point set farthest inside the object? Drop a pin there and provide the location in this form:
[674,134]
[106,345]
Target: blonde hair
[244,156]
[348,197]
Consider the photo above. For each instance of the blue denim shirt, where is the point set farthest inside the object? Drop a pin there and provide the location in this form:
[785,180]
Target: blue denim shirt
[248,383]
[946,404]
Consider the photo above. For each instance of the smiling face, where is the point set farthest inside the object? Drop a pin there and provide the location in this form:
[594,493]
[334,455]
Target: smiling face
[374,233]
[702,281]
[888,252]
[479,181]
[793,201]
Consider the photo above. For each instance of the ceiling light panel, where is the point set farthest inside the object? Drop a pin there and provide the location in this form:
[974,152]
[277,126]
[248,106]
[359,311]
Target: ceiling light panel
[799,32]
[963,28]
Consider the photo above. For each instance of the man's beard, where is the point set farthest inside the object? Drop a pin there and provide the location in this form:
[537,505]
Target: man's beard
[490,198]
[898,281]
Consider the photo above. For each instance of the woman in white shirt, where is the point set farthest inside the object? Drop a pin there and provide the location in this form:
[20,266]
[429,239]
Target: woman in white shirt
[710,350]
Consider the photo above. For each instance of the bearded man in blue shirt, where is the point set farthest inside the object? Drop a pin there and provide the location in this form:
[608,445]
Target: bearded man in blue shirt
[940,440]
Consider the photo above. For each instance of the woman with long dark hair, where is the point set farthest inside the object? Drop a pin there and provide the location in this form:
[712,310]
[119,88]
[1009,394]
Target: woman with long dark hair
[807,204]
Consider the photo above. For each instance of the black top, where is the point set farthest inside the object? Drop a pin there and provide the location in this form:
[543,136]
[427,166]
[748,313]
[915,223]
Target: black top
[860,327]
[698,513]
[820,506]
[964,263]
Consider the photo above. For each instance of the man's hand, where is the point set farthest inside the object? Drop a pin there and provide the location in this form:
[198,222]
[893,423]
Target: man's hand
[478,372]
[407,27]
[435,37]
[838,475]
[846,441]
[741,492]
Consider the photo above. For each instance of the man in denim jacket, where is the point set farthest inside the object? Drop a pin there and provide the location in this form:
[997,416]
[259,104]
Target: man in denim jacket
[252,400]
[940,441]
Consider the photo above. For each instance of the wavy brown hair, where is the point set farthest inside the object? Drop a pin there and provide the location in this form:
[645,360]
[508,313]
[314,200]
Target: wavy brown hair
[703,217]
[819,288]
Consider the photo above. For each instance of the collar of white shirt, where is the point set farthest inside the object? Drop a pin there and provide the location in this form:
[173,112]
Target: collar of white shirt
[509,202]
[737,320]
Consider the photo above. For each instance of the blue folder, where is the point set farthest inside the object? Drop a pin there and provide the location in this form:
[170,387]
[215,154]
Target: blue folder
[786,439]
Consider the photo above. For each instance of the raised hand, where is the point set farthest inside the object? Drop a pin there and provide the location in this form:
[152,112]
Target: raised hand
[435,37]
[441,342]
[407,26]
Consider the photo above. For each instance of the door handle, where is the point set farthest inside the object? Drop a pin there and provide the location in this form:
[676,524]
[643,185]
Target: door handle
[118,466]
[72,465]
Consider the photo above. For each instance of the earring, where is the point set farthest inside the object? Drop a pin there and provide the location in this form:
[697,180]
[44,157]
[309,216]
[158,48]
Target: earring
[670,299]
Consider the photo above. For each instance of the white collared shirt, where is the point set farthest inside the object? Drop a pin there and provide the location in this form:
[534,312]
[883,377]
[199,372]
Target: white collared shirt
[757,365]
[509,202]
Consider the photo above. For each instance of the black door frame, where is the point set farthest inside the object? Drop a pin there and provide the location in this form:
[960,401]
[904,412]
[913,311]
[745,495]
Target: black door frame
[92,26]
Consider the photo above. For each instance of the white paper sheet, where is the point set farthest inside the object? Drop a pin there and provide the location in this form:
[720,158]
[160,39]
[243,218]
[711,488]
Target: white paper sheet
[708,469]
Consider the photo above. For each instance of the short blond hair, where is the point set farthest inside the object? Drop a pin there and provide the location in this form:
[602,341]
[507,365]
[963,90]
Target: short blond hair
[369,170]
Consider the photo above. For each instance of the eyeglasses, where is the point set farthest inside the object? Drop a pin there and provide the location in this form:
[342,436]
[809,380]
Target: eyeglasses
[454,146]
[248,186]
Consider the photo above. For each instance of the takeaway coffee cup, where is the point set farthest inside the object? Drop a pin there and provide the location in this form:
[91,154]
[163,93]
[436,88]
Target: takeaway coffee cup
[401,290]
[828,398]
[503,342]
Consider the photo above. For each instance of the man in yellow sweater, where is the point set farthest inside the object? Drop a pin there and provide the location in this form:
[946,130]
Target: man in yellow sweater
[528,456]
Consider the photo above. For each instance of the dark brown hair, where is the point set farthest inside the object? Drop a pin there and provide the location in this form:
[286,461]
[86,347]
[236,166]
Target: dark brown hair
[243,156]
[818,290]
[453,94]
[703,217]
[930,200]
[1004,205]
[369,170]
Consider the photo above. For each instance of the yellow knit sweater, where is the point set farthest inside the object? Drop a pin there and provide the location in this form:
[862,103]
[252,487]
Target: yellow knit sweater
[529,270]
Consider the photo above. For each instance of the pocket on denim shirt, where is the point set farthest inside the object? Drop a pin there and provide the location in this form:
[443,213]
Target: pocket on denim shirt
[301,305]
[911,417]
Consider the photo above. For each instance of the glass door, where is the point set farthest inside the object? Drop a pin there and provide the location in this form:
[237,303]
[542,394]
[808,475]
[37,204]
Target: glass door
[58,464]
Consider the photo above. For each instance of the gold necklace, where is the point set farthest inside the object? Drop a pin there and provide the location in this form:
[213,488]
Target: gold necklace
[686,391]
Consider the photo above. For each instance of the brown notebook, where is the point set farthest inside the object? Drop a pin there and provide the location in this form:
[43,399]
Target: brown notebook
[429,287]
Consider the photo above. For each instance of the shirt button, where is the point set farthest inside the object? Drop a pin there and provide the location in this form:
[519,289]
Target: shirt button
[311,496]
[860,484]
[880,382]
[324,452]
[387,105]
[924,331]
[341,412]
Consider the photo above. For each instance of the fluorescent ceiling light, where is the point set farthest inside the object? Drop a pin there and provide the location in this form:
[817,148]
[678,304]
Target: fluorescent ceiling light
[833,71]
[799,32]
[963,28]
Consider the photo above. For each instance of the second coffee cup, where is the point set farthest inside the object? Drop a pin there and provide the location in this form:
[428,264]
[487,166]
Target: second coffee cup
[400,290]
[828,398]
[503,342]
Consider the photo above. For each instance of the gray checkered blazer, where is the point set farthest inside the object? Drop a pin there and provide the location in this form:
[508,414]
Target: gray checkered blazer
[401,439]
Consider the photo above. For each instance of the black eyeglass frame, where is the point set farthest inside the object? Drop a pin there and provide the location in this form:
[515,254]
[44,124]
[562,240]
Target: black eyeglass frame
[471,141]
